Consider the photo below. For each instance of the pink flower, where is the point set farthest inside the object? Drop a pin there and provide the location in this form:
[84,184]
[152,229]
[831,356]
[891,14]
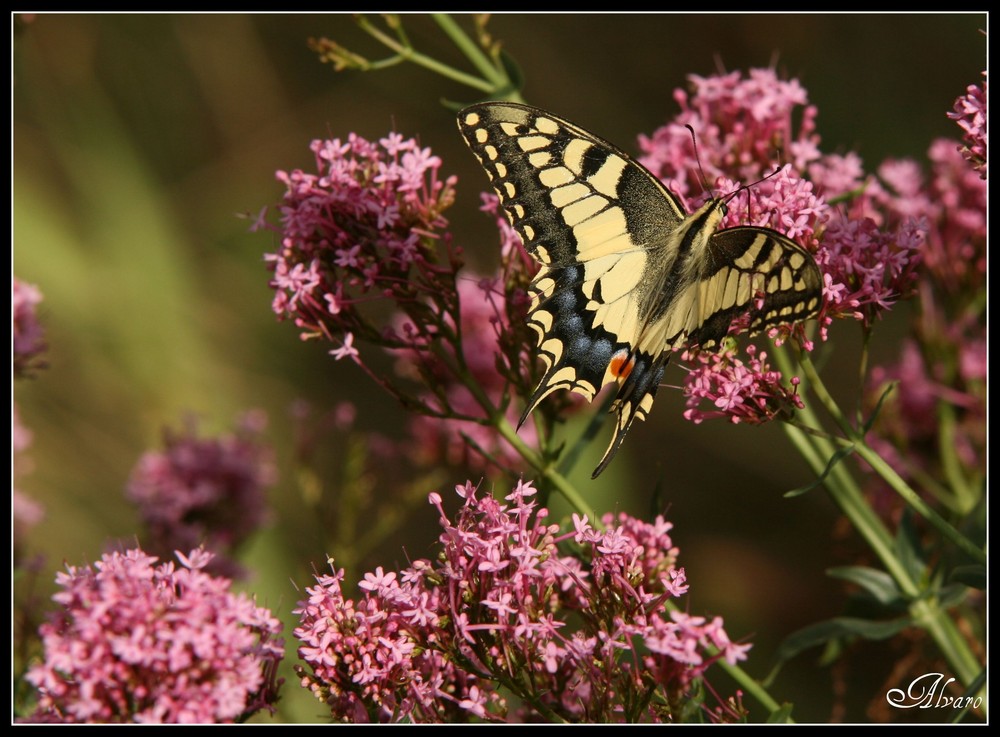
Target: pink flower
[970,114]
[366,226]
[135,642]
[347,350]
[573,624]
[25,511]
[837,175]
[27,335]
[742,391]
[209,490]
[867,268]
[739,125]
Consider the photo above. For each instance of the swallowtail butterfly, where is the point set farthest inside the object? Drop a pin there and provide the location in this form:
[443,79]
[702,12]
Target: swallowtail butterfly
[626,275]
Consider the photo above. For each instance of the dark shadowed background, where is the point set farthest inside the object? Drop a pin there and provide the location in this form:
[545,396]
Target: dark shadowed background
[138,139]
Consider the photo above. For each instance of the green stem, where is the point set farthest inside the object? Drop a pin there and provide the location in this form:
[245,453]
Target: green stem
[883,469]
[749,684]
[839,483]
[411,54]
[963,496]
[548,471]
[926,612]
[928,615]
[888,473]
[471,50]
[496,419]
[752,686]
[849,499]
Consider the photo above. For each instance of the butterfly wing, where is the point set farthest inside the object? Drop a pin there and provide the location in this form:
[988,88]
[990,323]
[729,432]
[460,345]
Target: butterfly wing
[749,270]
[602,228]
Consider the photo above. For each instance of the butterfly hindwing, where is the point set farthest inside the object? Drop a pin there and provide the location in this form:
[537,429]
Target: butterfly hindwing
[756,271]
[626,276]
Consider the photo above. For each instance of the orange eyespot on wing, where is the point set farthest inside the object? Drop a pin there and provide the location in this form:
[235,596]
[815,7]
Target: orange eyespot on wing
[622,364]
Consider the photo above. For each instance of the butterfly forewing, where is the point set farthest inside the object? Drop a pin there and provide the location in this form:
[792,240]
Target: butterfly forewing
[570,195]
[626,276]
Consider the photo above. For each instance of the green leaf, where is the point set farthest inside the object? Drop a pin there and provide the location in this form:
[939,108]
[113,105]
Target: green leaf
[781,715]
[877,583]
[878,408]
[973,576]
[834,460]
[952,594]
[970,693]
[513,72]
[839,628]
[831,653]
[908,549]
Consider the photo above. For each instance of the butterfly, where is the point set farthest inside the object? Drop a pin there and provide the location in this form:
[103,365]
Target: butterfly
[627,276]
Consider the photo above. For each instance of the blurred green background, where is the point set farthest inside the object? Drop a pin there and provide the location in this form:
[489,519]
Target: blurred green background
[138,140]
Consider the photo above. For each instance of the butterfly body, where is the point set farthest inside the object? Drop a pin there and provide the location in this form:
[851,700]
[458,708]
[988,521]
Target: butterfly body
[626,275]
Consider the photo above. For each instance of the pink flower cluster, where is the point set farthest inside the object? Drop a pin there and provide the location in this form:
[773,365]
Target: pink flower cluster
[869,248]
[133,641]
[514,620]
[27,335]
[204,491]
[366,226]
[934,422]
[784,202]
[970,114]
[956,200]
[750,391]
[739,124]
[867,268]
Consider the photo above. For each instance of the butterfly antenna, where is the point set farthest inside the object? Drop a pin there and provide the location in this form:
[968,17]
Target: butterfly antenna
[697,158]
[747,187]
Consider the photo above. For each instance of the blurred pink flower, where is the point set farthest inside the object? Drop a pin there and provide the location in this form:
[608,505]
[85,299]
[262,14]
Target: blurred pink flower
[456,433]
[205,491]
[25,511]
[27,335]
